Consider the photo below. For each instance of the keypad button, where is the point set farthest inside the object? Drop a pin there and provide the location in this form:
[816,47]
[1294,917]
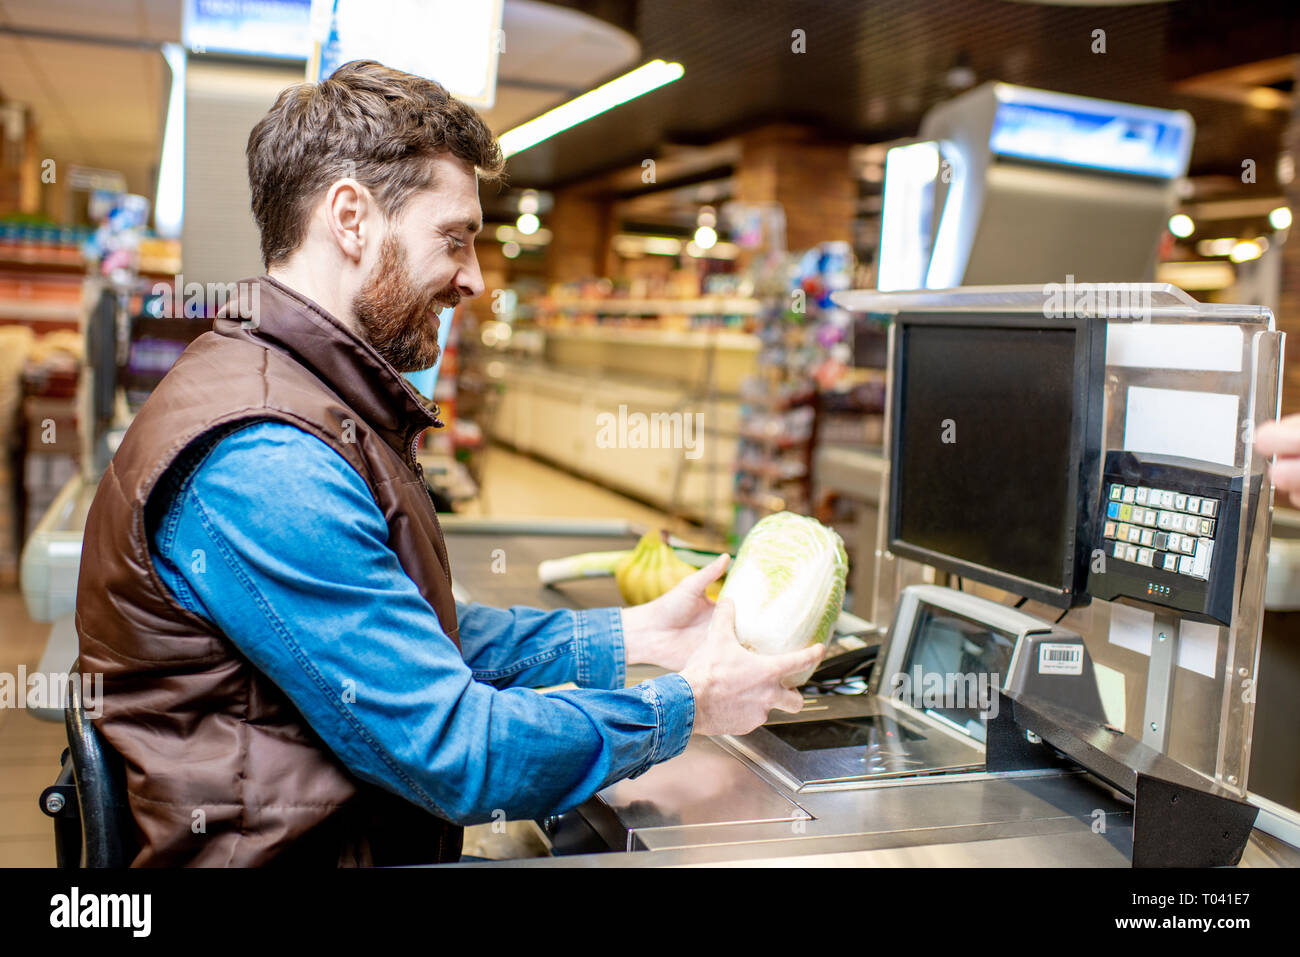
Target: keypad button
[1180,502]
[1209,506]
[1185,565]
[1207,528]
[1130,553]
[1145,556]
[1201,560]
[1162,540]
[1120,547]
[1166,499]
[1141,496]
[1171,562]
[1134,533]
[1116,491]
[1194,504]
[1112,510]
[1148,537]
[1173,542]
[1130,493]
[1176,521]
[1165,520]
[1109,531]
[1151,518]
[1125,513]
[1187,545]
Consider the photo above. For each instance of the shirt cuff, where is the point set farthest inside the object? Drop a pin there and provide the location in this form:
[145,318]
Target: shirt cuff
[602,657]
[674,704]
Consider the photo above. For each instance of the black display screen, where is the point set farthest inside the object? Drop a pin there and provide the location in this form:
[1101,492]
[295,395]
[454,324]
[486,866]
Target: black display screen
[983,447]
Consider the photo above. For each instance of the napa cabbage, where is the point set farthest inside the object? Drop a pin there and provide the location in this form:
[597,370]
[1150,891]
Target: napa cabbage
[788,585]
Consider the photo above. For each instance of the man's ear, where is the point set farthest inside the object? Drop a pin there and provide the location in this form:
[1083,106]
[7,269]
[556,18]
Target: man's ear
[349,212]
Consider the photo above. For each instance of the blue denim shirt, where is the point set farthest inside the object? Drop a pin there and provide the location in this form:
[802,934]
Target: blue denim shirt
[270,535]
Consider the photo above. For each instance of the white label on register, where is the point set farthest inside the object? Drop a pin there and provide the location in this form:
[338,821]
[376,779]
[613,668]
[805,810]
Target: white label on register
[1054,659]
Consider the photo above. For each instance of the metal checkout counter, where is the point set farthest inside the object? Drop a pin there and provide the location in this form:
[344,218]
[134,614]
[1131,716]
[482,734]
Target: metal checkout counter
[1067,730]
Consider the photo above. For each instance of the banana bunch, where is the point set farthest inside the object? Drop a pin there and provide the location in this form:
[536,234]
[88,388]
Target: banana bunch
[651,570]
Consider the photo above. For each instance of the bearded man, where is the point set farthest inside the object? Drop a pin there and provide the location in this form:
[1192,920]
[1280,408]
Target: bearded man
[264,584]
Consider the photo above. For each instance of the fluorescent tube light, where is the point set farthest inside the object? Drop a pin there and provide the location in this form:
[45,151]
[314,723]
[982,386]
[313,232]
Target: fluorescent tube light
[629,86]
[169,200]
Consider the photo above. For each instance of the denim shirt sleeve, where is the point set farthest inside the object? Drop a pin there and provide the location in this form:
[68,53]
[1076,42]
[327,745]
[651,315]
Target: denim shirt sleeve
[534,648]
[275,539]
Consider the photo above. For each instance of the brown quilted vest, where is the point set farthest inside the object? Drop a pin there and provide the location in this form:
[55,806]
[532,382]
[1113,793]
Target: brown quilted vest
[221,767]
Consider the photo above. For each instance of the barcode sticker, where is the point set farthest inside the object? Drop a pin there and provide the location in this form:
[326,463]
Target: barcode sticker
[1058,659]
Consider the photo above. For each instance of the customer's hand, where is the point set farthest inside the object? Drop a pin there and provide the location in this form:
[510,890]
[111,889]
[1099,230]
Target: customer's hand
[666,631]
[1282,438]
[736,688]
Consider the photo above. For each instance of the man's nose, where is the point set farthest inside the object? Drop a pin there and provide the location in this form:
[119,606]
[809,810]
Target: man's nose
[469,281]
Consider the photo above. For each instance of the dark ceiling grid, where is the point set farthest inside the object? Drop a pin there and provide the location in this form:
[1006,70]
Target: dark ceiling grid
[873,68]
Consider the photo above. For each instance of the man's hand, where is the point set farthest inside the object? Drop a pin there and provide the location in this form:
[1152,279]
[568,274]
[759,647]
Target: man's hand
[735,688]
[1282,438]
[666,631]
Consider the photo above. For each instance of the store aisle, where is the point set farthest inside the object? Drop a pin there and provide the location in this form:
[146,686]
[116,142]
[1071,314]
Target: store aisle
[514,486]
[518,486]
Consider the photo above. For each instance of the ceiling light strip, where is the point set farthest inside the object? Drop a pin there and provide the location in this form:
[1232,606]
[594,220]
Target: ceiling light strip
[629,86]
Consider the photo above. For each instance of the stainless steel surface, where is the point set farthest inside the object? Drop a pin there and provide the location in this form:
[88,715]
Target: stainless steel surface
[707,790]
[499,567]
[1160,681]
[709,796]
[1077,848]
[533,527]
[879,740]
[713,804]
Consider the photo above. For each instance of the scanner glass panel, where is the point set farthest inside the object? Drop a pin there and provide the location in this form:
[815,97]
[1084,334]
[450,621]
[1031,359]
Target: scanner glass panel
[870,731]
[946,644]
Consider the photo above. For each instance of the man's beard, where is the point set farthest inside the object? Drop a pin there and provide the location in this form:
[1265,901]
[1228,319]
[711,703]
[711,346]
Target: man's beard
[395,313]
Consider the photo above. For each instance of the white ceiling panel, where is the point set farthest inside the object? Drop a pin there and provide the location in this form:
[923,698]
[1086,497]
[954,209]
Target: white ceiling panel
[152,20]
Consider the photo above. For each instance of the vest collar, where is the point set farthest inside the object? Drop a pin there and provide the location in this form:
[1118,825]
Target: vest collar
[340,358]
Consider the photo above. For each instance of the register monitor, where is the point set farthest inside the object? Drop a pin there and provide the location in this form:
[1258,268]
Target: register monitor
[995,449]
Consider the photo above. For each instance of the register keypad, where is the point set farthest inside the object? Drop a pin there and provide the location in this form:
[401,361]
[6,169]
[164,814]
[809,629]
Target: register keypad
[1161,529]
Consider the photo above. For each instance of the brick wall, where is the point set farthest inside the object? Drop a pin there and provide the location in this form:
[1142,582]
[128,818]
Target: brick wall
[581,230]
[811,179]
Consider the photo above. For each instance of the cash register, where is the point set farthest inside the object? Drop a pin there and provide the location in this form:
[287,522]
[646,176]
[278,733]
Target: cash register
[1014,700]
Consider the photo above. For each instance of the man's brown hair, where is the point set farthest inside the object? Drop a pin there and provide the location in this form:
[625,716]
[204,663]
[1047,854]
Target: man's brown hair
[377,125]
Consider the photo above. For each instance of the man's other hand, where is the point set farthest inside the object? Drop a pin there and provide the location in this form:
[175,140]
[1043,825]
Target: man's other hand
[1282,438]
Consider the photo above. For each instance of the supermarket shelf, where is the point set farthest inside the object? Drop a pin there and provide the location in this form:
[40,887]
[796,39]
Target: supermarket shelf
[688,338]
[713,306]
[69,267]
[40,311]
[778,441]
